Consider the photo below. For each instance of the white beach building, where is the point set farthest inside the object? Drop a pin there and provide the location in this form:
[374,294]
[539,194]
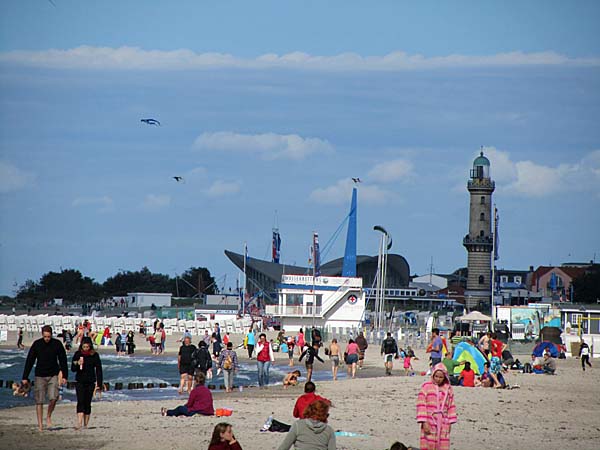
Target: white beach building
[333,303]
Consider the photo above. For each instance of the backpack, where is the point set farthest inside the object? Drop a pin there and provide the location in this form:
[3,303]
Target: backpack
[228,363]
[527,368]
[201,359]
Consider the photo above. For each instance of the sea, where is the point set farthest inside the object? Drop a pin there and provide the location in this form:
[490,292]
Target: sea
[138,369]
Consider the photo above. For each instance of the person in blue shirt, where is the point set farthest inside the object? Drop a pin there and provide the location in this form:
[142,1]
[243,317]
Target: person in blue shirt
[250,342]
[436,347]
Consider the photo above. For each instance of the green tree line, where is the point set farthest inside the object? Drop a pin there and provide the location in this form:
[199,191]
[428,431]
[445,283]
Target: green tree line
[73,287]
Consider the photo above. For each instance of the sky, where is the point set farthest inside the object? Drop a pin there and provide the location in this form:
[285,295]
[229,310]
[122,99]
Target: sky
[267,110]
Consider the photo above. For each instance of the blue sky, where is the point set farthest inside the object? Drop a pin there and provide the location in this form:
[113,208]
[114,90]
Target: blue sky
[274,106]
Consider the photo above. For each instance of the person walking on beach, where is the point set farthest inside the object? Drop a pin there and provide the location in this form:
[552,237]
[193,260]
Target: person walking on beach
[264,358]
[352,357]
[300,341]
[51,361]
[223,438]
[118,339]
[130,343]
[163,337]
[436,411]
[20,345]
[216,342]
[584,354]
[184,364]
[362,343]
[158,340]
[389,351]
[199,402]
[250,342]
[437,346]
[334,356]
[201,360]
[88,373]
[311,353]
[228,363]
[290,348]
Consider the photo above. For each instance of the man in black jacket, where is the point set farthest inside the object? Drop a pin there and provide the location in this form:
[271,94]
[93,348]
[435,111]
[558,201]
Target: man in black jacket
[389,348]
[51,361]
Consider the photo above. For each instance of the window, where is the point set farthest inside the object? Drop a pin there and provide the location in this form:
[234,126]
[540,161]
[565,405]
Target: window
[294,299]
[482,200]
[481,279]
[503,279]
[482,217]
[481,233]
[517,279]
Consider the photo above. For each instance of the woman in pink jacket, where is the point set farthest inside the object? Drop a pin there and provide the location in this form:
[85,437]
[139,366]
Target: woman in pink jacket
[436,411]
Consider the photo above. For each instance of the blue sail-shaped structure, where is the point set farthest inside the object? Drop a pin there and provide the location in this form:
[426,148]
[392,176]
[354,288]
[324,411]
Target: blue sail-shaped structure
[349,266]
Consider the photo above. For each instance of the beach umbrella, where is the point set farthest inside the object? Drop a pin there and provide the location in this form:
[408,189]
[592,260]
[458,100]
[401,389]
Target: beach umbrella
[474,316]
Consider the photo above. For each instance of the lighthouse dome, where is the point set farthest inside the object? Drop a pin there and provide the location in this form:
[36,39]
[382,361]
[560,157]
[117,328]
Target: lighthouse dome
[481,161]
[481,167]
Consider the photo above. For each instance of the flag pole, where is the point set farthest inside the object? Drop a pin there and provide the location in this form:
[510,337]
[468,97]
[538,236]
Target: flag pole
[494,266]
[245,280]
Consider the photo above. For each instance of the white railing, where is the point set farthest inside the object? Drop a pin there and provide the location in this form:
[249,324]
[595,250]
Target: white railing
[278,310]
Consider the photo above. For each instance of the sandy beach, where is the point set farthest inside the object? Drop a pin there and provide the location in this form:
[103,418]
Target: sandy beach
[553,412]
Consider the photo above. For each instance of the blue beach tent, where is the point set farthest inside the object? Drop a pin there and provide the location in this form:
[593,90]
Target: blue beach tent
[539,349]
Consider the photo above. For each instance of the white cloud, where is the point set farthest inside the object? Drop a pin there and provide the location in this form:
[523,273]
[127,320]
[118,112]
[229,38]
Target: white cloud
[104,203]
[502,168]
[221,188]
[530,179]
[154,202]
[340,193]
[134,58]
[397,169]
[12,178]
[268,145]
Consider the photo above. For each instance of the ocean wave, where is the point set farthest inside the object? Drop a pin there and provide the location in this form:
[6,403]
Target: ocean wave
[144,380]
[6,366]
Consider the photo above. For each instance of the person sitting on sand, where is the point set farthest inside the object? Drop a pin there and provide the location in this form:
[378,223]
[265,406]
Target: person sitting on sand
[223,438]
[291,379]
[450,366]
[549,366]
[199,402]
[467,376]
[311,432]
[21,390]
[306,399]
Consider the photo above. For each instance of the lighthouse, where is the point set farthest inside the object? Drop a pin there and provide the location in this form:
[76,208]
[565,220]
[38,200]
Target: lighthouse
[479,241]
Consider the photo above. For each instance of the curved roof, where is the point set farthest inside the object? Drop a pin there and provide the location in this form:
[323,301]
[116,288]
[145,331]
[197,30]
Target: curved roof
[366,267]
[481,161]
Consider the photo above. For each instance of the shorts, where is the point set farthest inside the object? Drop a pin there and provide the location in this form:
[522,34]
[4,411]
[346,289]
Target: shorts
[186,370]
[308,366]
[361,355]
[352,359]
[291,352]
[388,358]
[335,360]
[45,387]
